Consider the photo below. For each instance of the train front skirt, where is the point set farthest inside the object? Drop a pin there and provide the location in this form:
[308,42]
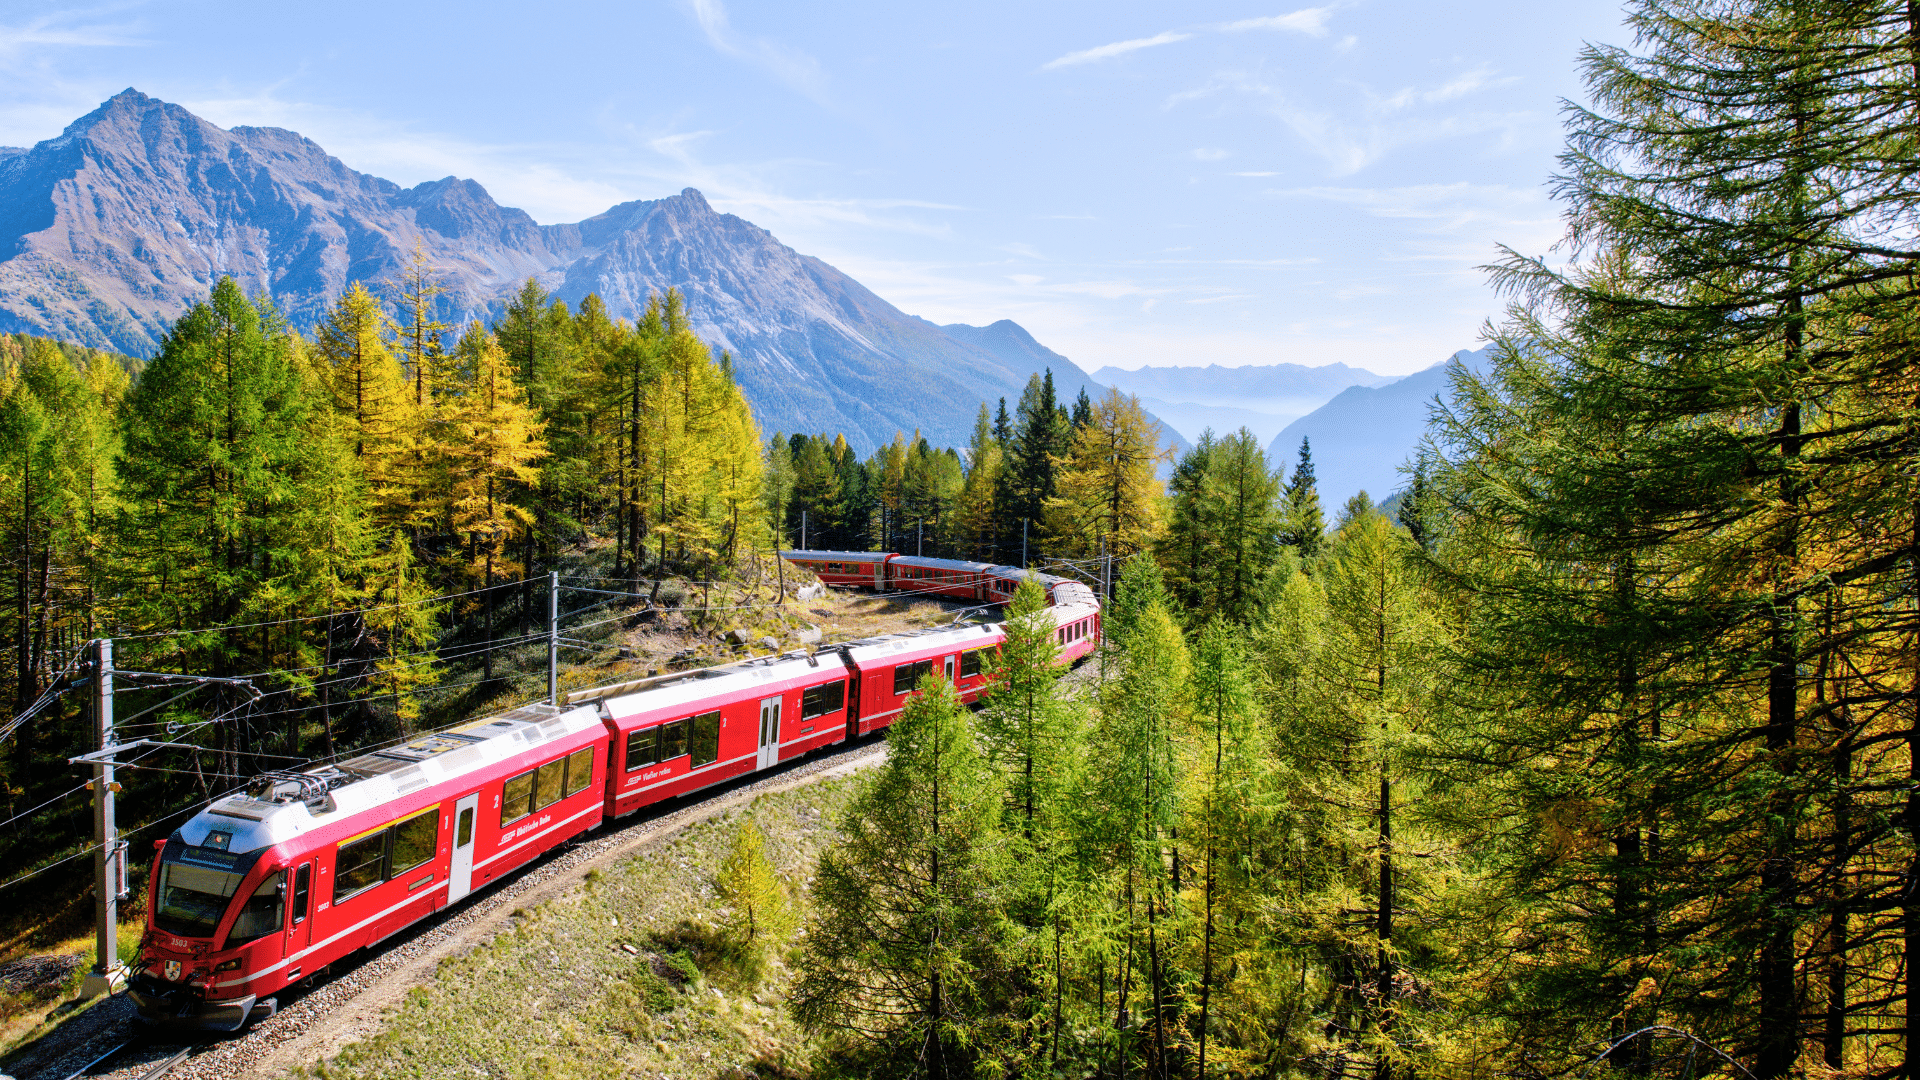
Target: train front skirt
[179,1008]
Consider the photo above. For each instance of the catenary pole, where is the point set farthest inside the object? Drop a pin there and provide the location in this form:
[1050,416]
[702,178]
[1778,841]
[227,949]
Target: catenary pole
[107,971]
[1023,543]
[553,637]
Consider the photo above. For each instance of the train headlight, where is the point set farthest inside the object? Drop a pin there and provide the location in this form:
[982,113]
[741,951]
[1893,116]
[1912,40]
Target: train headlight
[228,965]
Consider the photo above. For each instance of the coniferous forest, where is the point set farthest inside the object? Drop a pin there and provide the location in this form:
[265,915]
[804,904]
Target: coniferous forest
[1597,750]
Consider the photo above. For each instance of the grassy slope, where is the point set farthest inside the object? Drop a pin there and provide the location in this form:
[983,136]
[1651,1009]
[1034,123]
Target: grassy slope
[558,997]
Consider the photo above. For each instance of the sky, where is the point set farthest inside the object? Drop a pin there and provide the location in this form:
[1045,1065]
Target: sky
[1231,182]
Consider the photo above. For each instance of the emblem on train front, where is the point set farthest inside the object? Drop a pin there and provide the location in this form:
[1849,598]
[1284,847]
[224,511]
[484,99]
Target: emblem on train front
[173,971]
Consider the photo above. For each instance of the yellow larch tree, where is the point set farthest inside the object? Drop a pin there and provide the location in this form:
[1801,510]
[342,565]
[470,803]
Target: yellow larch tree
[687,404]
[1107,487]
[739,476]
[353,357]
[490,455]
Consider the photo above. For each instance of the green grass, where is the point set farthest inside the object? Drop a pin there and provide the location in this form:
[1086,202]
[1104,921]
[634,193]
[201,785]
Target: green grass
[624,976]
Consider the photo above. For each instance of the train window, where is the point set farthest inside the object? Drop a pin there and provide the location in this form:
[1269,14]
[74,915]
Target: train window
[302,892]
[463,831]
[579,770]
[359,865]
[673,740]
[908,676]
[550,778]
[261,914]
[970,663]
[821,700]
[640,749]
[414,841]
[516,798]
[703,738]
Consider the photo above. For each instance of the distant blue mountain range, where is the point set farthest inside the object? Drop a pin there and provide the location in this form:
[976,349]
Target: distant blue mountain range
[1362,437]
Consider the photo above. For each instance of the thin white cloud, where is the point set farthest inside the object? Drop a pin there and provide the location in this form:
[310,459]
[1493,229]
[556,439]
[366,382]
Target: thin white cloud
[58,30]
[796,69]
[1467,82]
[1208,153]
[1455,225]
[1222,299]
[38,96]
[1352,134]
[1310,21]
[1113,49]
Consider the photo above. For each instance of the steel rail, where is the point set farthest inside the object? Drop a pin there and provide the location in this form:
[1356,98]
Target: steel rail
[154,1073]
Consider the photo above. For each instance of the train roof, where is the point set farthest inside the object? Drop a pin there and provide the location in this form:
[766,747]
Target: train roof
[943,564]
[943,637]
[626,700]
[279,806]
[840,556]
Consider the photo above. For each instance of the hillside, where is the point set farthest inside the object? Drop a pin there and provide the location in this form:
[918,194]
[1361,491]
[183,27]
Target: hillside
[1362,436]
[113,229]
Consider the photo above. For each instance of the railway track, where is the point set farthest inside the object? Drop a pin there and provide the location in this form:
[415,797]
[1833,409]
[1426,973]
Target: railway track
[153,1073]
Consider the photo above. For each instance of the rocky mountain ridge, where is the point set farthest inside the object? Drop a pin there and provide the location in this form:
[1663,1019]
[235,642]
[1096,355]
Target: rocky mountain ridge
[111,230]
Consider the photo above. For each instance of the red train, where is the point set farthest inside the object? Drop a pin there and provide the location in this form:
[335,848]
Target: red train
[264,889]
[981,582]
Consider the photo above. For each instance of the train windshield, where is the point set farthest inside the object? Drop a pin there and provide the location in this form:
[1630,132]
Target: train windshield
[196,885]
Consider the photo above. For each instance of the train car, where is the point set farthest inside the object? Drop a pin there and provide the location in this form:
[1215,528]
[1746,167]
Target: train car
[1076,628]
[264,888]
[1000,583]
[891,667]
[851,569]
[677,734]
[951,578]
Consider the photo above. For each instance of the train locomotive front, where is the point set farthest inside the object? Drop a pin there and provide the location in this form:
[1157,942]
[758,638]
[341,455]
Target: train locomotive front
[204,893]
[263,889]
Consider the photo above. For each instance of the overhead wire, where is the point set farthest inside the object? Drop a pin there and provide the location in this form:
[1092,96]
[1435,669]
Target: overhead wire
[328,615]
[435,656]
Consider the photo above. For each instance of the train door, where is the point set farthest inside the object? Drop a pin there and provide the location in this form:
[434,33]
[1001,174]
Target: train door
[949,669]
[299,907]
[460,873]
[853,704]
[769,733]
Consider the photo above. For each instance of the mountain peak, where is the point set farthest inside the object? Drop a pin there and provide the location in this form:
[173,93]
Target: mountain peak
[131,100]
[108,234]
[131,116]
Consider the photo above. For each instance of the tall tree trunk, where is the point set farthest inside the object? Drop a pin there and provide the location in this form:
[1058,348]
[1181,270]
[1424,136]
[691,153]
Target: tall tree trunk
[26,690]
[1778,1007]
